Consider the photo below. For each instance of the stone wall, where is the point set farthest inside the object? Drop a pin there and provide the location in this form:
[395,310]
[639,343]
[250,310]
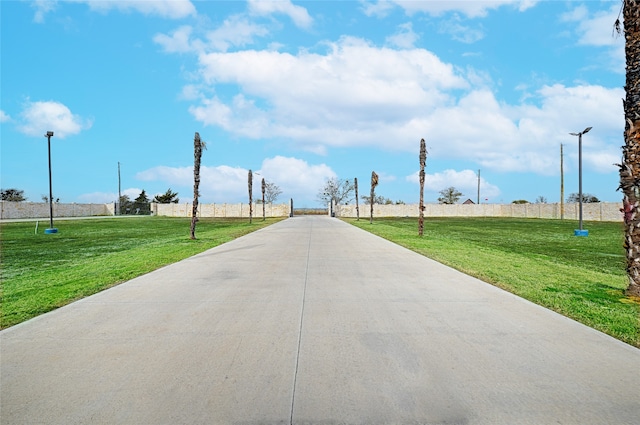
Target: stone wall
[601,211]
[220,210]
[14,210]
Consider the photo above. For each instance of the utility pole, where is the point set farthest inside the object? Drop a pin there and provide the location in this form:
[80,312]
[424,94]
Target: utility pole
[580,231]
[51,229]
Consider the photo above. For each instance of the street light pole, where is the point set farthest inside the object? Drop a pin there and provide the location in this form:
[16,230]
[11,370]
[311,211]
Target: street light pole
[51,229]
[580,232]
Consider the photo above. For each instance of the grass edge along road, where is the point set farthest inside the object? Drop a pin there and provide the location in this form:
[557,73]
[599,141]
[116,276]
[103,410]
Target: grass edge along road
[41,272]
[536,259]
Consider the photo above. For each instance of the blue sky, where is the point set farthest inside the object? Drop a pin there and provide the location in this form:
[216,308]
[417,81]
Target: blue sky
[303,91]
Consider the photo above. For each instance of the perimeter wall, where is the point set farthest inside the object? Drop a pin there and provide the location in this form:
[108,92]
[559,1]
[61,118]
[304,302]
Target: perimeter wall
[602,211]
[220,210]
[11,210]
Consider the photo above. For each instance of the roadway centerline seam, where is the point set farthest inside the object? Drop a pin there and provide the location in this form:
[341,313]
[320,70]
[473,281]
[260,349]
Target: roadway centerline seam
[304,295]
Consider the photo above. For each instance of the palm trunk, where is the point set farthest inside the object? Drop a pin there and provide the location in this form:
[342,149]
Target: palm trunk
[250,196]
[374,183]
[197,156]
[423,163]
[355,182]
[630,168]
[264,188]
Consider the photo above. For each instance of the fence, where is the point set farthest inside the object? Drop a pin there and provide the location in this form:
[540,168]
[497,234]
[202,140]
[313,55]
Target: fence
[601,211]
[220,210]
[12,210]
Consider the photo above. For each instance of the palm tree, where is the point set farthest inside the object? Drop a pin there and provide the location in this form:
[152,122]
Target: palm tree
[198,145]
[264,188]
[630,167]
[355,183]
[374,183]
[250,196]
[423,163]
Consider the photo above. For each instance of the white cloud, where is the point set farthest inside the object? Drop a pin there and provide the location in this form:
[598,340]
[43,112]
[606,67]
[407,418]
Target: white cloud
[171,9]
[297,14]
[597,30]
[236,31]
[461,32]
[4,117]
[471,9]
[405,38]
[354,94]
[380,8]
[42,7]
[40,117]
[224,184]
[177,42]
[297,178]
[107,197]
[466,181]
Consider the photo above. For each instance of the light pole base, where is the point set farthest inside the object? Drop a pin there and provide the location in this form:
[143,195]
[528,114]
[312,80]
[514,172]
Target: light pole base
[583,232]
[50,231]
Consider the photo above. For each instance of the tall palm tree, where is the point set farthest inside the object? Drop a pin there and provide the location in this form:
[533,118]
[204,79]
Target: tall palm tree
[423,163]
[374,183]
[630,167]
[264,188]
[355,183]
[250,196]
[198,145]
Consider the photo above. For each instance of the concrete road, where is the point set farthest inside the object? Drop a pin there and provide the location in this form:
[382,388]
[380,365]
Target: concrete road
[312,321]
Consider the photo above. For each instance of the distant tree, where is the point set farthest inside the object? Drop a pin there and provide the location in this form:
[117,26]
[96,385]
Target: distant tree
[142,198]
[400,202]
[45,199]
[337,190]
[520,201]
[378,199]
[13,195]
[271,192]
[168,197]
[125,204]
[541,200]
[141,203]
[586,198]
[450,195]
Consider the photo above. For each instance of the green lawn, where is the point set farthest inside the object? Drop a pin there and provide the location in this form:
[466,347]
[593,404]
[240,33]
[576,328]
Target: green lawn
[540,260]
[42,272]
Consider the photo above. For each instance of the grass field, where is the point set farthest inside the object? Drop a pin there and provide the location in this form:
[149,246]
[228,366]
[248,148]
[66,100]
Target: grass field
[42,272]
[540,260]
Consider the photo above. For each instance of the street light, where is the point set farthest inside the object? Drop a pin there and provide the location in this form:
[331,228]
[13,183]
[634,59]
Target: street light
[580,232]
[51,229]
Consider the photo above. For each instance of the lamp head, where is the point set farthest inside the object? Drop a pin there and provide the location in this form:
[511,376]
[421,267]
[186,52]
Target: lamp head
[586,130]
[574,134]
[49,134]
